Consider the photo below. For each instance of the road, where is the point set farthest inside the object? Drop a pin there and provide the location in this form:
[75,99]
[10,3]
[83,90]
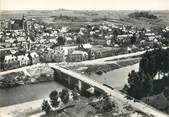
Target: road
[12,48]
[21,69]
[106,60]
[114,93]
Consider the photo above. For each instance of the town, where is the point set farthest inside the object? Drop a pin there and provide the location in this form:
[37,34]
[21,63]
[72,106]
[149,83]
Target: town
[27,42]
[76,65]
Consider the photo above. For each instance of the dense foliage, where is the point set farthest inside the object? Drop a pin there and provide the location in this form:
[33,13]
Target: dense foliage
[144,14]
[145,82]
[156,61]
[59,100]
[141,84]
[45,106]
[54,98]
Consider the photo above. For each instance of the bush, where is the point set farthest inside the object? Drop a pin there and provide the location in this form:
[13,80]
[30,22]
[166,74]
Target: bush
[46,107]
[64,95]
[54,98]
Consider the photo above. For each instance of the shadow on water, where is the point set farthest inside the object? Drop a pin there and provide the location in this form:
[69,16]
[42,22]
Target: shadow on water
[25,93]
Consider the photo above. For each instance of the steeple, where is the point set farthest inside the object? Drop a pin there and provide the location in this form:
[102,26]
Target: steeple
[23,17]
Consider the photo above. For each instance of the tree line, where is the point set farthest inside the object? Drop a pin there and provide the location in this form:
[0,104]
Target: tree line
[152,77]
[144,14]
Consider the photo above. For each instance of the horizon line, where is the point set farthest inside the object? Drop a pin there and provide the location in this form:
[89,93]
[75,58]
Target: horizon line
[85,9]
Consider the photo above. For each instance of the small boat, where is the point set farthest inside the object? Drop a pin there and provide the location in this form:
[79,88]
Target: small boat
[99,72]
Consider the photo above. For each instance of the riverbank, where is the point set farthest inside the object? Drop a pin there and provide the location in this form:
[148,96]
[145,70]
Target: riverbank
[104,68]
[27,76]
[21,110]
[84,107]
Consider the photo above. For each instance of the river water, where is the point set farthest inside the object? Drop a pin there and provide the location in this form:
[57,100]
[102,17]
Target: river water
[116,78]
[25,93]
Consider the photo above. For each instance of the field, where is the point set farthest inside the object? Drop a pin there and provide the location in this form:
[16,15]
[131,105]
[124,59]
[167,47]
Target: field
[76,17]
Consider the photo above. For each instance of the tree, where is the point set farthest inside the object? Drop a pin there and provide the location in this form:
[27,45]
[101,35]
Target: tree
[156,61]
[46,107]
[30,58]
[140,84]
[133,39]
[53,95]
[64,95]
[75,94]
[165,35]
[32,36]
[61,40]
[79,40]
[107,104]
[54,98]
[166,92]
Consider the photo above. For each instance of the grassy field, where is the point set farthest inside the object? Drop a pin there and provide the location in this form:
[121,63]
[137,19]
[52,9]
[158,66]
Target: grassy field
[82,17]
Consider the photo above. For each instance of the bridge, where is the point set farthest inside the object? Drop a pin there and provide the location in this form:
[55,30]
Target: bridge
[84,83]
[73,79]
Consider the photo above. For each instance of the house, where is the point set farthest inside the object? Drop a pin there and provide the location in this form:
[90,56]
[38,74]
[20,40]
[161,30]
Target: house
[108,42]
[125,36]
[100,51]
[69,40]
[64,29]
[87,46]
[21,39]
[149,34]
[9,58]
[70,49]
[53,41]
[23,60]
[125,39]
[34,57]
[16,59]
[10,62]
[77,56]
[10,40]
[58,55]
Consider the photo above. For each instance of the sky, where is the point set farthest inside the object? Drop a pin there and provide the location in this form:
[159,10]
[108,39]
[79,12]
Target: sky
[84,4]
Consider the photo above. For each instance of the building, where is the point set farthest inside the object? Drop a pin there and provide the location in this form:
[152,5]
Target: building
[58,55]
[53,55]
[34,58]
[17,24]
[19,59]
[23,60]
[100,51]
[77,56]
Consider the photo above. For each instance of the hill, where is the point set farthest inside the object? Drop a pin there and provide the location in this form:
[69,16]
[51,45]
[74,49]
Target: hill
[84,16]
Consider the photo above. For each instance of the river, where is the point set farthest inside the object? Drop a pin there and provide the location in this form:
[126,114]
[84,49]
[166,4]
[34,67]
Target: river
[25,93]
[116,78]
